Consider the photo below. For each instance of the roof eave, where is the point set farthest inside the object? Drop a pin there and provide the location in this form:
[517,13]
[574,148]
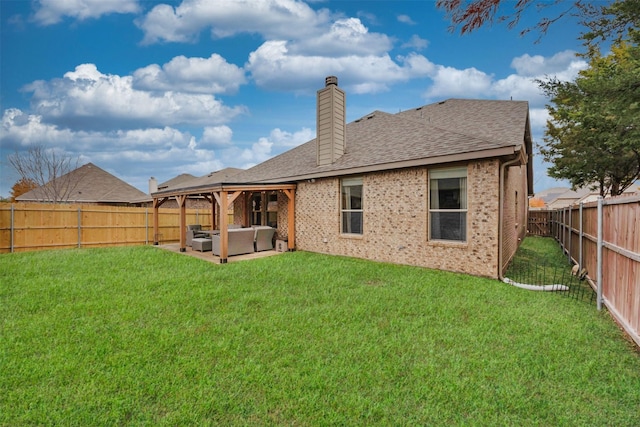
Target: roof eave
[502,152]
[228,187]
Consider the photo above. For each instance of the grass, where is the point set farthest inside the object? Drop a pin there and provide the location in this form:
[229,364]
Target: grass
[541,261]
[140,336]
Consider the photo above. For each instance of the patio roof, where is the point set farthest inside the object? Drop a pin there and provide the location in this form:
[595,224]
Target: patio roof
[221,195]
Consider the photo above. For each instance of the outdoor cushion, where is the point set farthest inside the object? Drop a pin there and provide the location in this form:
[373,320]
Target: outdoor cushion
[264,238]
[201,244]
[240,241]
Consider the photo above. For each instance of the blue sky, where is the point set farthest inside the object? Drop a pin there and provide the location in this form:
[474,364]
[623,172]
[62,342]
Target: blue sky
[160,88]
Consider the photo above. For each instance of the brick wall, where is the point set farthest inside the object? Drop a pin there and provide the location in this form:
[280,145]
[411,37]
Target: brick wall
[396,221]
[515,211]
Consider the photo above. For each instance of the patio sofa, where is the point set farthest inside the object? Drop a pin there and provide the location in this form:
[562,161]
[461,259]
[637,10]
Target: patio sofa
[240,241]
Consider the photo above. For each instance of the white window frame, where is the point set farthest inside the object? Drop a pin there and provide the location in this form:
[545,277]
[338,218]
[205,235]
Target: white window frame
[441,174]
[345,187]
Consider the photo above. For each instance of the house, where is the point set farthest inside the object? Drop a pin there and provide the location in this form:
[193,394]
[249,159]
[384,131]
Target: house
[443,186]
[86,184]
[563,197]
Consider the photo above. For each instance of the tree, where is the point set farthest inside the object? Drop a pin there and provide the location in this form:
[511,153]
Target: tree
[593,138]
[473,14]
[49,170]
[21,187]
[604,21]
[536,202]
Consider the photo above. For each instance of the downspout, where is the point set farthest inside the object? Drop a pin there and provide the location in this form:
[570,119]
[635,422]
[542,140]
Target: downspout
[503,167]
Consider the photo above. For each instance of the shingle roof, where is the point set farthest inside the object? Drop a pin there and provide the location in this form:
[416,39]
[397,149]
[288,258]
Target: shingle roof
[425,134]
[223,175]
[176,182]
[91,185]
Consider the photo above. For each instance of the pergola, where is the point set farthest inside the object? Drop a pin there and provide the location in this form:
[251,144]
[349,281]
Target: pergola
[221,196]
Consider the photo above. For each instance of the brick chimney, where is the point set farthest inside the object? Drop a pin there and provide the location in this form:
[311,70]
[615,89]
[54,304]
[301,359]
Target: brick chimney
[330,122]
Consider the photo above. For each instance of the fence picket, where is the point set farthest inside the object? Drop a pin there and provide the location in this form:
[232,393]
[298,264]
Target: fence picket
[38,226]
[608,246]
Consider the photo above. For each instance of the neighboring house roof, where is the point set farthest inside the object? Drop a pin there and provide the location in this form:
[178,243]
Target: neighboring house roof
[551,194]
[89,184]
[176,182]
[452,130]
[223,175]
[570,197]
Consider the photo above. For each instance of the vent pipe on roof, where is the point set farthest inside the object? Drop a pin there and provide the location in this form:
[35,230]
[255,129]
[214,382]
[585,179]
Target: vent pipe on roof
[330,122]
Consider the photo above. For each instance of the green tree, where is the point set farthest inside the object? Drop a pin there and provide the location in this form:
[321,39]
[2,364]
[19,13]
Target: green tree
[593,138]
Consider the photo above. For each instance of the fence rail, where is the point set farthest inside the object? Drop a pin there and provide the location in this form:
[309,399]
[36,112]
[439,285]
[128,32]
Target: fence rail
[36,226]
[603,238]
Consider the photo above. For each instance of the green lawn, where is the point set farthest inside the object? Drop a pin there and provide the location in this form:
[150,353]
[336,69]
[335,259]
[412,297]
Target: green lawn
[142,336]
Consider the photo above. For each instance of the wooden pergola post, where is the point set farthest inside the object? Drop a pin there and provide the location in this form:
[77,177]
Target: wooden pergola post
[224,226]
[291,218]
[182,203]
[156,218]
[214,220]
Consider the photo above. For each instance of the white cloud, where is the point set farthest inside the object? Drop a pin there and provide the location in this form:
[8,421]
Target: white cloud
[474,83]
[562,62]
[285,19]
[344,37]
[163,152]
[88,99]
[518,88]
[49,12]
[538,118]
[451,82]
[216,136]
[416,42]
[286,139]
[406,19]
[195,75]
[273,66]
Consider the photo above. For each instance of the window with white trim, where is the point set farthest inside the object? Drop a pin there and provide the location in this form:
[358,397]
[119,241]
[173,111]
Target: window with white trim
[448,204]
[351,205]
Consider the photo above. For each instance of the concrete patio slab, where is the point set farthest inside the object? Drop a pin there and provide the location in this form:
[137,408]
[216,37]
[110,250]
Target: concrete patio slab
[208,256]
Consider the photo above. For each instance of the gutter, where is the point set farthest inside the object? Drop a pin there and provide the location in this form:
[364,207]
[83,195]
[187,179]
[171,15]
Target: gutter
[503,167]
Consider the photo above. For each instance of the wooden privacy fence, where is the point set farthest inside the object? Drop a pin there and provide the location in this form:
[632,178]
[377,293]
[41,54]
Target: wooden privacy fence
[539,223]
[37,226]
[603,237]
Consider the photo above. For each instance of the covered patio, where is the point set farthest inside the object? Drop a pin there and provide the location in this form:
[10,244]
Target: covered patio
[221,196]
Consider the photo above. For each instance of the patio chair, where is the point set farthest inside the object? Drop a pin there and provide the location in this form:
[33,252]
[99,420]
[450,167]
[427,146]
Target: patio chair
[264,238]
[194,231]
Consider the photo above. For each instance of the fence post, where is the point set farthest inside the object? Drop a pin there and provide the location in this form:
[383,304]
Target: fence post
[146,226]
[570,228]
[12,228]
[599,253]
[580,236]
[564,229]
[79,227]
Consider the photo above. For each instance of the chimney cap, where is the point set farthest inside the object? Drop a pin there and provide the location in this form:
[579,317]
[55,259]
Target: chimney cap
[331,80]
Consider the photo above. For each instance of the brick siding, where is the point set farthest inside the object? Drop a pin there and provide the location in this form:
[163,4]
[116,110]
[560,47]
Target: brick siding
[396,221]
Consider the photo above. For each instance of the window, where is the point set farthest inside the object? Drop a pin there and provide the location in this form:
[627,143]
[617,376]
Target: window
[264,209]
[448,204]
[351,205]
